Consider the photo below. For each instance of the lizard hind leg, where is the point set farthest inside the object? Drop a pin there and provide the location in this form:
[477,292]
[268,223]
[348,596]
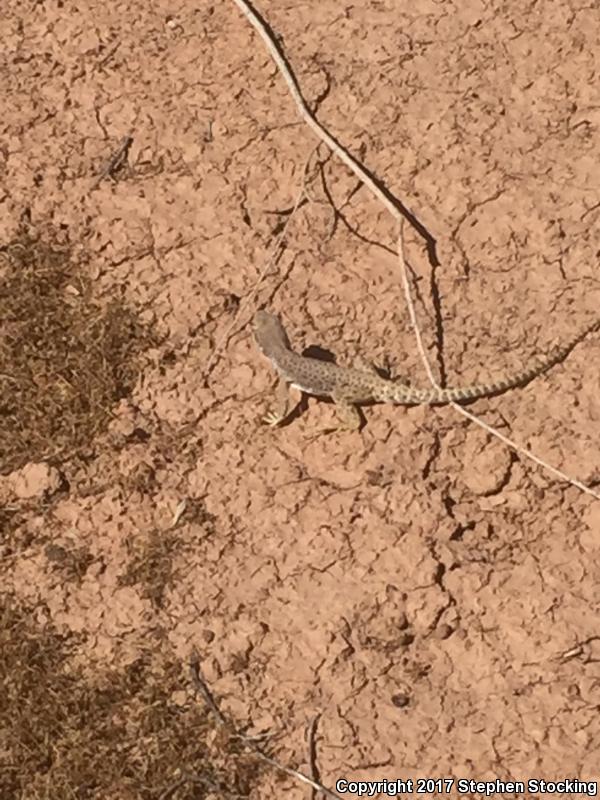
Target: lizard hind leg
[348,414]
[364,365]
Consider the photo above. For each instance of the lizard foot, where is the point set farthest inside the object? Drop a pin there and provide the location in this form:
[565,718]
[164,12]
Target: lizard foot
[272,419]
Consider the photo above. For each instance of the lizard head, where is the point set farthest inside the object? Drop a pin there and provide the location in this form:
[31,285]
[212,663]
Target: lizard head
[269,333]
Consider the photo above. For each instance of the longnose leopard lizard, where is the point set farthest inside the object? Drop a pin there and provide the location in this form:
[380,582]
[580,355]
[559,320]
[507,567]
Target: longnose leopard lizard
[349,387]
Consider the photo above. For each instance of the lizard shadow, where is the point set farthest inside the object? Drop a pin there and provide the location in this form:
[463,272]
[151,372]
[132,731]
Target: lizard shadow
[320,353]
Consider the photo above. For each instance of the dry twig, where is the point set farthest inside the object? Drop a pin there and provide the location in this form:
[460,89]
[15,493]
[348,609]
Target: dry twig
[116,160]
[202,688]
[249,300]
[312,751]
[422,352]
[396,209]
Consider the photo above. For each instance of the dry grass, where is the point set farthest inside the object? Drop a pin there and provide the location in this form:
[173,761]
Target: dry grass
[120,735]
[152,554]
[64,359]
[133,733]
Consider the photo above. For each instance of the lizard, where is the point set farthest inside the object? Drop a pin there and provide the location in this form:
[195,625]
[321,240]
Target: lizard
[350,387]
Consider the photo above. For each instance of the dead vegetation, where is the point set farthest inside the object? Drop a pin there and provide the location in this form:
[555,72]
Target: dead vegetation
[153,553]
[65,358]
[132,733]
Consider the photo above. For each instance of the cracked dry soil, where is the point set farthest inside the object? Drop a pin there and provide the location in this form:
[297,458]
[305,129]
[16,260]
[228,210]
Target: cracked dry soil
[430,594]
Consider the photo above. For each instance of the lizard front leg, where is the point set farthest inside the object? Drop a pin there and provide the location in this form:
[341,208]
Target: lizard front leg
[282,398]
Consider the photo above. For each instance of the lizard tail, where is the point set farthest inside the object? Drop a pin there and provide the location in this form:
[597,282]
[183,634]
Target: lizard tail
[407,396]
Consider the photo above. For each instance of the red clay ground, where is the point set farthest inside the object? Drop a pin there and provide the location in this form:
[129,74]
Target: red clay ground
[431,595]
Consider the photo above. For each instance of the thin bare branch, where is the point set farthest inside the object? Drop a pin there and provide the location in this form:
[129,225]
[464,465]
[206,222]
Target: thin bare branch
[396,209]
[249,300]
[203,690]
